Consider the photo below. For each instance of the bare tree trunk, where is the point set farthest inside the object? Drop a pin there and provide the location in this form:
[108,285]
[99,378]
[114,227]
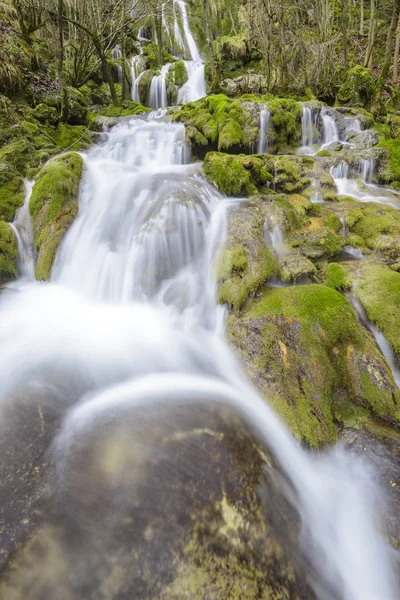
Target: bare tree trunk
[362,18]
[158,25]
[396,55]
[63,89]
[371,35]
[389,44]
[344,34]
[107,76]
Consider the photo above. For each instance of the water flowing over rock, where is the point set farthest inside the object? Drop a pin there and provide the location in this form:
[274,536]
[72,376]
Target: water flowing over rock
[145,420]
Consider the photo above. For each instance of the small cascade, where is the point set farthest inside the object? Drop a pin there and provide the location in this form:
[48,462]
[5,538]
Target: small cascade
[352,125]
[195,87]
[117,55]
[380,339]
[177,32]
[22,227]
[265,117]
[158,89]
[192,47]
[330,130]
[137,69]
[273,236]
[142,35]
[316,197]
[345,231]
[367,170]
[308,127]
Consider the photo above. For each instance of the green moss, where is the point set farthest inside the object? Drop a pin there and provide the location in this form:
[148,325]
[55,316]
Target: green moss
[231,52]
[53,206]
[379,228]
[358,89]
[236,175]
[336,277]
[323,154]
[68,136]
[378,289]
[11,193]
[180,73]
[286,120]
[391,171]
[306,352]
[126,109]
[245,262]
[8,253]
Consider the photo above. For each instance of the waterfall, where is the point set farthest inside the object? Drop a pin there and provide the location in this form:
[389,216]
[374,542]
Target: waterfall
[117,55]
[22,227]
[158,89]
[265,117]
[194,52]
[367,170]
[307,125]
[195,87]
[137,66]
[129,322]
[329,129]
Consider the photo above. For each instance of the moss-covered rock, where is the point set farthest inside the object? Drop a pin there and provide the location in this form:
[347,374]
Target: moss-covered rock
[391,168]
[378,226]
[237,175]
[45,114]
[53,207]
[231,52]
[144,86]
[180,73]
[305,351]
[319,236]
[245,262]
[336,277]
[293,265]
[358,89]
[125,109]
[8,253]
[378,289]
[286,124]
[11,192]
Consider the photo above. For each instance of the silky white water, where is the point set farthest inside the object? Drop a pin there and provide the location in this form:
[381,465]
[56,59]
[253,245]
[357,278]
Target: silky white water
[130,319]
[265,117]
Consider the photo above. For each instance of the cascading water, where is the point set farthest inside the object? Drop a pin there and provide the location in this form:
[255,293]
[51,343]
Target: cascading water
[265,117]
[117,55]
[350,186]
[195,87]
[308,126]
[22,228]
[137,69]
[130,321]
[330,131]
[158,89]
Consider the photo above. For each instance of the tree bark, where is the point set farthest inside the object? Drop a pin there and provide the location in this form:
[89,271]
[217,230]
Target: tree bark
[344,35]
[107,75]
[362,18]
[389,44]
[396,55]
[63,88]
[371,35]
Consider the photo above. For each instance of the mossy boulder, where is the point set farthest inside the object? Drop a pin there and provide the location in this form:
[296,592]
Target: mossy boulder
[358,89]
[378,289]
[53,207]
[8,253]
[236,175]
[378,226]
[225,124]
[391,168]
[286,131]
[45,114]
[319,236]
[78,107]
[144,86]
[307,354]
[336,277]
[293,265]
[180,73]
[245,262]
[125,109]
[11,192]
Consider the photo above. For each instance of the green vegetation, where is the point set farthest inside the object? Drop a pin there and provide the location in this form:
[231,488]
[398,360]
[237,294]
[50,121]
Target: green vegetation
[305,351]
[336,277]
[236,175]
[8,253]
[53,206]
[358,89]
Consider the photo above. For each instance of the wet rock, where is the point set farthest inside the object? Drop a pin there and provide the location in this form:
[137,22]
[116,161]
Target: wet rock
[53,207]
[365,139]
[358,89]
[250,83]
[245,262]
[222,529]
[305,351]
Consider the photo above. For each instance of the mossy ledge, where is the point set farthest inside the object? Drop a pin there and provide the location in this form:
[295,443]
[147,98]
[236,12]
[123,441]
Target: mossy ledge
[8,253]
[307,354]
[53,207]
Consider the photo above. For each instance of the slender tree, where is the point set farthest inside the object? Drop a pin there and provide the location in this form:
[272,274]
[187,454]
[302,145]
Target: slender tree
[389,43]
[63,88]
